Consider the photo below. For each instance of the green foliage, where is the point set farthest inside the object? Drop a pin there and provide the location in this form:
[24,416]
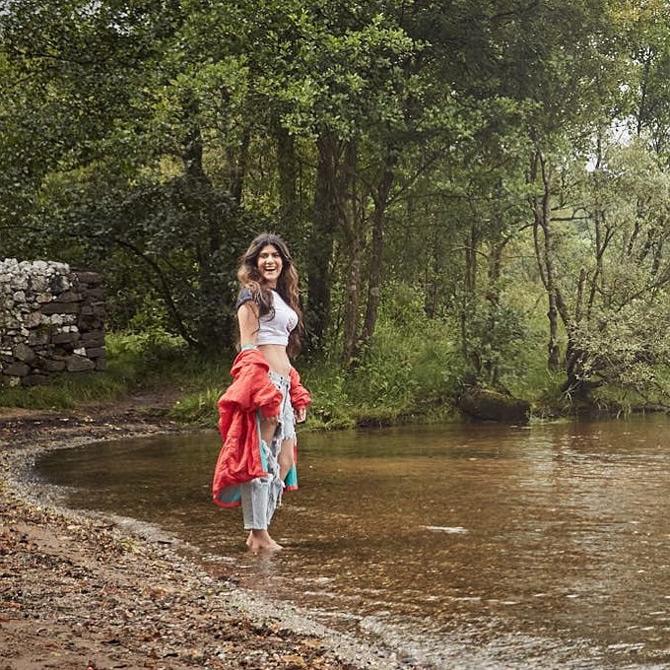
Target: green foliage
[151,140]
[629,349]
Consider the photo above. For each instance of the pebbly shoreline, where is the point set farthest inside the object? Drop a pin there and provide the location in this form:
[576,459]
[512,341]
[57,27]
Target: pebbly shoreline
[87,591]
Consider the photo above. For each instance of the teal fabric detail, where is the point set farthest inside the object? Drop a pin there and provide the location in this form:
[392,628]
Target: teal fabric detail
[291,479]
[229,495]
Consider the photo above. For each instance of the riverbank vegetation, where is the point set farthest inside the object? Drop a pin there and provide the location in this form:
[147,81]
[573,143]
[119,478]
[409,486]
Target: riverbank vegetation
[475,193]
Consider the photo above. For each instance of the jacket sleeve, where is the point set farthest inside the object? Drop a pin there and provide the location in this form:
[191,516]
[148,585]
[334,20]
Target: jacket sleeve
[266,397]
[251,388]
[300,396]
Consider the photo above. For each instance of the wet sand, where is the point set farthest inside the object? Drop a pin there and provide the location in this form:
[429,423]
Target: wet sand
[91,592]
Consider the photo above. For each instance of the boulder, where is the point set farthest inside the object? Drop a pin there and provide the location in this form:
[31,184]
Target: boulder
[76,363]
[487,405]
[58,284]
[23,353]
[38,337]
[93,339]
[16,369]
[69,296]
[53,365]
[32,320]
[60,308]
[65,338]
[90,278]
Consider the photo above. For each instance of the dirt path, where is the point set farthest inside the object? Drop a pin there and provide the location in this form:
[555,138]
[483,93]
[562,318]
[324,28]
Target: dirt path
[80,593]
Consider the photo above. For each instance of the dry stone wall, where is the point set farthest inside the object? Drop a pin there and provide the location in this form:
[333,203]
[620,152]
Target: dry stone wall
[51,321]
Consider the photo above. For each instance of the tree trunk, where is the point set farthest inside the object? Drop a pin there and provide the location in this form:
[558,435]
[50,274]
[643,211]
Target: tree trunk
[320,245]
[238,167]
[490,365]
[545,256]
[469,298]
[433,272]
[351,217]
[377,254]
[287,165]
[202,203]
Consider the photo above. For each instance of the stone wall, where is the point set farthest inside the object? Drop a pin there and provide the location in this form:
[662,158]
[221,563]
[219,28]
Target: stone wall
[51,321]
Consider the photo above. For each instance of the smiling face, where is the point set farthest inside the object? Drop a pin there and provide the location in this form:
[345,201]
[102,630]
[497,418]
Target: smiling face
[269,265]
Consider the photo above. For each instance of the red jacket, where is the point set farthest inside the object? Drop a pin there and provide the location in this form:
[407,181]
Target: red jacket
[251,391]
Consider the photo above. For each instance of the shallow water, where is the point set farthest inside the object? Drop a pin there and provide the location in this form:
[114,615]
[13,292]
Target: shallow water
[467,546]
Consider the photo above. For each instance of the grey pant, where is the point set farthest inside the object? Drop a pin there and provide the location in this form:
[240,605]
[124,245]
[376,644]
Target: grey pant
[261,496]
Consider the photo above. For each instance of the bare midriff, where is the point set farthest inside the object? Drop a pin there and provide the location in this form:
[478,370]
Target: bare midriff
[277,358]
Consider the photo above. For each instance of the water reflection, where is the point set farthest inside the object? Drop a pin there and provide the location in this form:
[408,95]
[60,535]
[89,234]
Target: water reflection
[497,547]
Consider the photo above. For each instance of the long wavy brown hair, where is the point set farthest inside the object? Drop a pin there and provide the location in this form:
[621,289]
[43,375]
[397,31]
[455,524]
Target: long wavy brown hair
[287,284]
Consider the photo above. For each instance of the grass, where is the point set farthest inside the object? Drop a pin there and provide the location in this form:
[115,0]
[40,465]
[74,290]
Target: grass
[393,384]
[405,377]
[136,363]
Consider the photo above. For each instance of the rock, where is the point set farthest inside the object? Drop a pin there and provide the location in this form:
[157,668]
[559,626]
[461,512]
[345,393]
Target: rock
[32,320]
[6,380]
[76,363]
[40,284]
[91,278]
[35,380]
[53,365]
[23,353]
[94,338]
[16,370]
[38,337]
[63,338]
[89,323]
[58,284]
[19,283]
[60,308]
[95,352]
[488,405]
[96,293]
[69,296]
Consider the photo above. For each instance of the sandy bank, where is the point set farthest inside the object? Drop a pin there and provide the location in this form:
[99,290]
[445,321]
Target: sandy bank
[85,592]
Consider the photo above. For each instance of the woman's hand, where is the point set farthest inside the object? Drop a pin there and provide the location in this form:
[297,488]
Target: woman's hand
[300,414]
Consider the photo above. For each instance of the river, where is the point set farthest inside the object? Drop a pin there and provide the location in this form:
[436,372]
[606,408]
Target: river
[464,545]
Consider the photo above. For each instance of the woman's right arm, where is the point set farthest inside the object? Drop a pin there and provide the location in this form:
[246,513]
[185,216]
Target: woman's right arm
[247,317]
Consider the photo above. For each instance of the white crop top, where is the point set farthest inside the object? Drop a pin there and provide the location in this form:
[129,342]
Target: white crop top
[273,329]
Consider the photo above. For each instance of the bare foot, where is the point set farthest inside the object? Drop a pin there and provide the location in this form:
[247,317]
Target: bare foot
[260,540]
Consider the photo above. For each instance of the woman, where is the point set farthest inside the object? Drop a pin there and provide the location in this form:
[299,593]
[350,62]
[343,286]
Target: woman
[256,413]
